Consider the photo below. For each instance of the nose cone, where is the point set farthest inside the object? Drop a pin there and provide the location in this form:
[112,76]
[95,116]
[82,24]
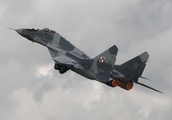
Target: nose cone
[19,31]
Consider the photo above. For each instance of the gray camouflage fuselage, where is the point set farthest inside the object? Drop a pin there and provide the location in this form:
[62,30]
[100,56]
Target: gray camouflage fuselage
[56,42]
[101,68]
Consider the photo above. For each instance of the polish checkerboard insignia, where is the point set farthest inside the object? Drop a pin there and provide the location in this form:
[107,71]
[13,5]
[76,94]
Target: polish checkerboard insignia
[102,59]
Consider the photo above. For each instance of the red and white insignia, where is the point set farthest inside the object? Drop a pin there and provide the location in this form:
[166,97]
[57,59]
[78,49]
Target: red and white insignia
[102,59]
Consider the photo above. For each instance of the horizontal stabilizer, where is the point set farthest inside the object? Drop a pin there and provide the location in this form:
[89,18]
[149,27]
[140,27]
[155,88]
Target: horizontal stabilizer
[149,87]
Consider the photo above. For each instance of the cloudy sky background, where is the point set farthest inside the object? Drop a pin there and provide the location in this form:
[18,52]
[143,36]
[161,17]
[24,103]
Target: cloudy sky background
[31,89]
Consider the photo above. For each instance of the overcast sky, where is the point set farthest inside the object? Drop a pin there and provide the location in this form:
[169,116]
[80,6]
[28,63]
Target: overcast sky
[31,89]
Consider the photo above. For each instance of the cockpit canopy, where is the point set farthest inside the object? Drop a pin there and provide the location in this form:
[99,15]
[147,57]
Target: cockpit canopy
[45,30]
[34,30]
[48,30]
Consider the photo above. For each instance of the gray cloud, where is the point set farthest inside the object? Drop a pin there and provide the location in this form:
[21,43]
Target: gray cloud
[31,89]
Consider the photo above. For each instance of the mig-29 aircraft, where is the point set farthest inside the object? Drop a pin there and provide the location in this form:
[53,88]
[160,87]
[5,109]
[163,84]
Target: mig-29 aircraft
[101,68]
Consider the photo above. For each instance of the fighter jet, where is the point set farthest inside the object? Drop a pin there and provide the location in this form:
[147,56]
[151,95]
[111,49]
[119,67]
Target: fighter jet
[100,68]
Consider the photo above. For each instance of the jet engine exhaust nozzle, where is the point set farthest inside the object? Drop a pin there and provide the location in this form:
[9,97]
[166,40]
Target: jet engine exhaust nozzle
[127,86]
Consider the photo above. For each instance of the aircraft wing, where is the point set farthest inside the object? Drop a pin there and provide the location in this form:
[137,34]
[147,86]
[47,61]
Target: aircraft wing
[61,58]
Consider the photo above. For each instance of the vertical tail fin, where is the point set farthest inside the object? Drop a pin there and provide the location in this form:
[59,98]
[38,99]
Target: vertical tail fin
[103,63]
[133,68]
